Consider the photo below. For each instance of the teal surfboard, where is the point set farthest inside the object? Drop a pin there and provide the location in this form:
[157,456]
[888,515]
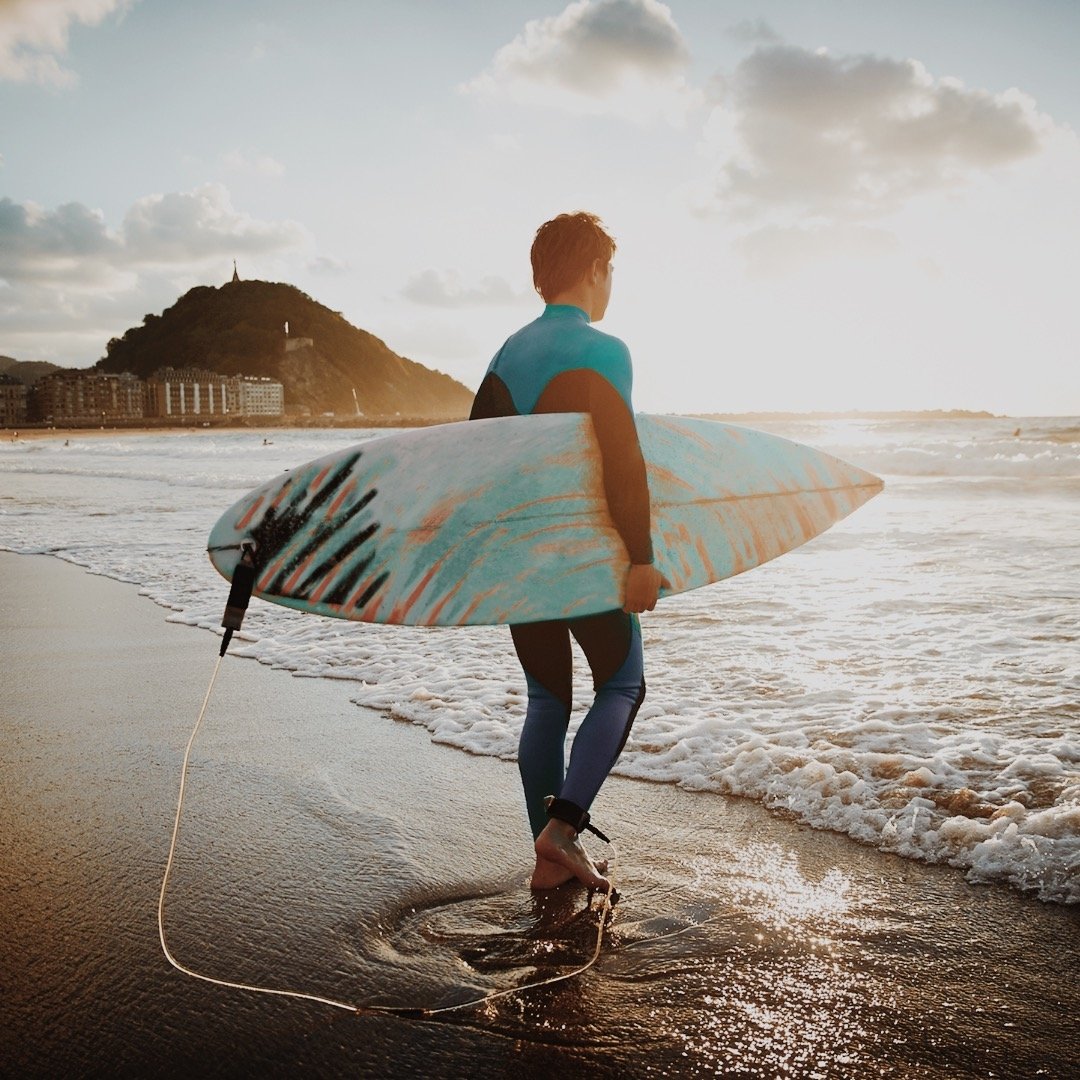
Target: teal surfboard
[505,520]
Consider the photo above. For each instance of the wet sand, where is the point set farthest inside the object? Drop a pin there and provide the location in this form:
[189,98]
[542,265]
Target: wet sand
[332,850]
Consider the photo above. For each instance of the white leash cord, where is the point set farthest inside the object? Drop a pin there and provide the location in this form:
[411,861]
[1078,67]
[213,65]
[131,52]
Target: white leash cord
[363,1010]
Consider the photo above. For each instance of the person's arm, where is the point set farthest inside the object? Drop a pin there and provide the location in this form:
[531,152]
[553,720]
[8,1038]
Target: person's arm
[627,489]
[625,483]
[623,468]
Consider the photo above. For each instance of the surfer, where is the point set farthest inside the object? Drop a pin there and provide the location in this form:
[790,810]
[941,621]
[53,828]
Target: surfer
[561,363]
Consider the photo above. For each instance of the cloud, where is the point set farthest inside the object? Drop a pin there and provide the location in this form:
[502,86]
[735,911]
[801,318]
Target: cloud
[598,56]
[447,289]
[65,274]
[855,136]
[34,35]
[70,244]
[74,245]
[776,250]
[194,226]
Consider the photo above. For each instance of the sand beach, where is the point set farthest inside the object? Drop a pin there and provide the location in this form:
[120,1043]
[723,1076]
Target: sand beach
[845,820]
[744,945]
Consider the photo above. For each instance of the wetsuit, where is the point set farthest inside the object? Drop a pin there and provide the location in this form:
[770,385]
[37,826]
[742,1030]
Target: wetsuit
[559,363]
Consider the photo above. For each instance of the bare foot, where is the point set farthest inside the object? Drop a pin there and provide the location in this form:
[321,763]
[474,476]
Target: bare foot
[550,875]
[560,857]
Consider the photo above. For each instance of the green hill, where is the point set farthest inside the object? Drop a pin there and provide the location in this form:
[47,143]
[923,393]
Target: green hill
[239,329]
[26,371]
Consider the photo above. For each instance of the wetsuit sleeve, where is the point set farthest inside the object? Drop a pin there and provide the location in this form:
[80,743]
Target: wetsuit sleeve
[492,399]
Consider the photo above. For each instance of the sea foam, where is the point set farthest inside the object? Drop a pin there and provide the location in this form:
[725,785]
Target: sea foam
[910,678]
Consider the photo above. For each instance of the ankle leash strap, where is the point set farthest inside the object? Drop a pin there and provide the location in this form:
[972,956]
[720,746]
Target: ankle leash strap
[572,814]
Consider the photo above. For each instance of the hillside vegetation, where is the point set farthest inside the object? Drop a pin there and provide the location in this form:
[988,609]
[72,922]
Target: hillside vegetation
[239,329]
[26,371]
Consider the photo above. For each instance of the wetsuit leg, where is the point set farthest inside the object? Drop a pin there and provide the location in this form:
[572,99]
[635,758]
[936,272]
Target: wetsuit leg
[612,645]
[544,651]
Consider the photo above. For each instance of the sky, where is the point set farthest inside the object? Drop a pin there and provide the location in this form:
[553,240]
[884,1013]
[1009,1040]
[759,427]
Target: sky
[840,205]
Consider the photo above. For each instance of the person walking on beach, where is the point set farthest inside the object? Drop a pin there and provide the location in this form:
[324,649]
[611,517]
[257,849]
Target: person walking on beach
[561,363]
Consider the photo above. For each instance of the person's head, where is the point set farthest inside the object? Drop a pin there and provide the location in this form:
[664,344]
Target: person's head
[569,252]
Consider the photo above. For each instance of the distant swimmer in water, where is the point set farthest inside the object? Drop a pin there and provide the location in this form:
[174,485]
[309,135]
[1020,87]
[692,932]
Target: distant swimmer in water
[267,442]
[561,363]
[1016,433]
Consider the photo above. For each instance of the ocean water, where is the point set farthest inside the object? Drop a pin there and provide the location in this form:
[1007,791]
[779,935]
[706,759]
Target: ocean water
[911,678]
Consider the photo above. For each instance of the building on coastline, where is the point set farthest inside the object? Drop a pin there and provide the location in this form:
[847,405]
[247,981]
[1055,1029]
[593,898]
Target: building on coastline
[260,396]
[91,397]
[183,393]
[13,401]
[189,392]
[86,396]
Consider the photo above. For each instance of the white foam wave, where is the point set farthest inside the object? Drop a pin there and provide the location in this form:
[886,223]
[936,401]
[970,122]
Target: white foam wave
[909,679]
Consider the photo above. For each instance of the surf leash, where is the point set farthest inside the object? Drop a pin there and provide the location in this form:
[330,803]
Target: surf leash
[240,590]
[243,584]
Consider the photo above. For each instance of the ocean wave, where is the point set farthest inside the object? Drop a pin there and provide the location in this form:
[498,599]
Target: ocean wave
[1003,807]
[908,679]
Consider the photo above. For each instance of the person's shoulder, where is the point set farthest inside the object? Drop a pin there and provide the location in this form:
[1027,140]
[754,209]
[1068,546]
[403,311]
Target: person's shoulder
[608,354]
[530,328]
[609,341]
[519,339]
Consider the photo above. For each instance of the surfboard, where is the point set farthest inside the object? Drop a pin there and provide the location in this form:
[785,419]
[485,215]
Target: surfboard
[505,520]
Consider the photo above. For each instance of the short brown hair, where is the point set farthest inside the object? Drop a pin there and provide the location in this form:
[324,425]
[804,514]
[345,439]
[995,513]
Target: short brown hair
[564,249]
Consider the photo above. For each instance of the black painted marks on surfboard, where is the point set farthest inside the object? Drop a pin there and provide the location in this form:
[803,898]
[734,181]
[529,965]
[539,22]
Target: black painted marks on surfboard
[341,592]
[339,555]
[328,544]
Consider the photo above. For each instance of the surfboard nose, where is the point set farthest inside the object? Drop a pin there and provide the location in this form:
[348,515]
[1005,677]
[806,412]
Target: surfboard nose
[844,487]
[864,484]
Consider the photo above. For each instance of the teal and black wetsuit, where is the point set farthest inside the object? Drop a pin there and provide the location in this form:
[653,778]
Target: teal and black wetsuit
[559,363]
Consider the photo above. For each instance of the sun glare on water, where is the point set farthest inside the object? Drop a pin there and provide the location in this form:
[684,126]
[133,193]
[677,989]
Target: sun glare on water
[788,1000]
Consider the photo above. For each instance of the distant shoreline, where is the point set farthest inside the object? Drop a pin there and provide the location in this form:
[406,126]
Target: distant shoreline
[271,423]
[859,414]
[150,426]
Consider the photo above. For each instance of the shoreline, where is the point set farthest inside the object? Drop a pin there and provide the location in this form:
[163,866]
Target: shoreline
[328,847]
[20,434]
[42,434]
[269,424]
